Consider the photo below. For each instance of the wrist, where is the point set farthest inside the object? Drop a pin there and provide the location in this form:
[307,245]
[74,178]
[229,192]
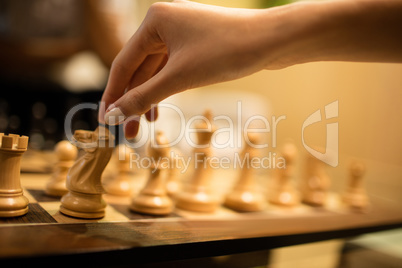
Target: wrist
[305,32]
[364,31]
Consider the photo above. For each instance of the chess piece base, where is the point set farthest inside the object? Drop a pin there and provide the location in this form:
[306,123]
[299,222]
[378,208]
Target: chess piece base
[172,187]
[56,189]
[285,198]
[198,202]
[316,199]
[151,204]
[245,201]
[118,187]
[13,206]
[356,202]
[80,205]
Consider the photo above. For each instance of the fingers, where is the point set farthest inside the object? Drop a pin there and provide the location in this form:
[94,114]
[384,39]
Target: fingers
[119,77]
[152,114]
[136,78]
[142,98]
[160,62]
[130,65]
[150,66]
[131,126]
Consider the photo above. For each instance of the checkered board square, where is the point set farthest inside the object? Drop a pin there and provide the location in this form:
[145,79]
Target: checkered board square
[44,209]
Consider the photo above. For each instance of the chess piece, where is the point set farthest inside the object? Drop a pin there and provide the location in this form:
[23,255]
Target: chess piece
[283,191]
[197,196]
[153,198]
[12,201]
[66,153]
[84,197]
[316,182]
[244,196]
[355,195]
[120,183]
[173,184]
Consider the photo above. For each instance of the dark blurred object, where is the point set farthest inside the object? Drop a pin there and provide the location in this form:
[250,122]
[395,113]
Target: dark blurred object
[39,111]
[35,34]
[381,249]
[36,38]
[355,256]
[41,18]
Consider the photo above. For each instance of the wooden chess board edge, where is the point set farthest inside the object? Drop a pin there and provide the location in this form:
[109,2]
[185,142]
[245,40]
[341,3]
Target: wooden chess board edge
[141,241]
[50,210]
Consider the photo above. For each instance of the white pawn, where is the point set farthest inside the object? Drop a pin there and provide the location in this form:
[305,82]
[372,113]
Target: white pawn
[283,191]
[173,184]
[121,182]
[244,196]
[355,195]
[66,153]
[153,198]
[197,196]
[315,183]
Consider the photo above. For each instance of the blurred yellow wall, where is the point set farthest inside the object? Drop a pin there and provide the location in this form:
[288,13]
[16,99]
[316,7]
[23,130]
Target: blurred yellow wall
[370,111]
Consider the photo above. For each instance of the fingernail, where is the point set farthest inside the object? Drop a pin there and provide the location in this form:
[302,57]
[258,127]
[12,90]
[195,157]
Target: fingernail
[114,116]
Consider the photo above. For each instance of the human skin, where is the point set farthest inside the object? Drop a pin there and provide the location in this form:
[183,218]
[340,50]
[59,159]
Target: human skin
[183,45]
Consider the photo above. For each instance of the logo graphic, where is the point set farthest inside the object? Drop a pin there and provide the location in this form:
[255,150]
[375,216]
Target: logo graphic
[330,156]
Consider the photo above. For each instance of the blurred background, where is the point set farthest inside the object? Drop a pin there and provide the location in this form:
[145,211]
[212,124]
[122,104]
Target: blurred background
[55,54]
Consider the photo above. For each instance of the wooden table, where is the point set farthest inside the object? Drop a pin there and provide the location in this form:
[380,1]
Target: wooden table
[150,240]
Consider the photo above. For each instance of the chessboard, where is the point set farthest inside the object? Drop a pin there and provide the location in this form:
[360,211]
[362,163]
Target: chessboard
[44,209]
[123,235]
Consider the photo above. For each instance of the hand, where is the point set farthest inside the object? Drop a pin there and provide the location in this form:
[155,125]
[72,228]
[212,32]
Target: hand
[179,45]
[183,45]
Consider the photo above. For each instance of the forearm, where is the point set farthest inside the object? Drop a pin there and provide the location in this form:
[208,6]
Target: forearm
[367,31]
